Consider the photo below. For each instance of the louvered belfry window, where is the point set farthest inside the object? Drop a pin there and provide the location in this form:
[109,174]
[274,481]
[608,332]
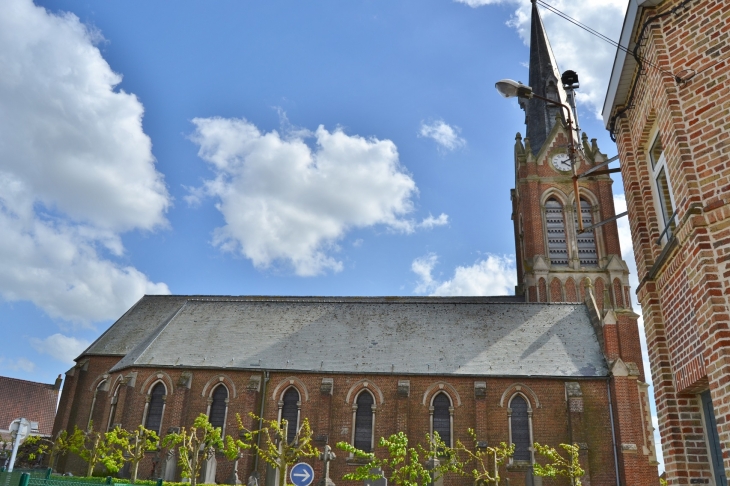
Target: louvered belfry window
[364,422]
[290,413]
[156,405]
[557,246]
[520,426]
[218,406]
[586,241]
[442,417]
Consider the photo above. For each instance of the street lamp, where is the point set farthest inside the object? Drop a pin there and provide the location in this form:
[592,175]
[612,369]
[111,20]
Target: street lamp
[510,89]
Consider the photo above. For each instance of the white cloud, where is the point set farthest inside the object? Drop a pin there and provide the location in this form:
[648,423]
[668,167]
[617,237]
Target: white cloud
[76,170]
[20,364]
[431,222]
[443,133]
[284,201]
[493,275]
[574,48]
[63,348]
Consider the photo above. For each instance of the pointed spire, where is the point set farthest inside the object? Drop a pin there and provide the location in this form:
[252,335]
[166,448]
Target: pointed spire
[545,81]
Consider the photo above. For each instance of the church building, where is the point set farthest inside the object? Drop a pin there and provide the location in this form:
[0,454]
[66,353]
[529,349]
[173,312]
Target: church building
[558,362]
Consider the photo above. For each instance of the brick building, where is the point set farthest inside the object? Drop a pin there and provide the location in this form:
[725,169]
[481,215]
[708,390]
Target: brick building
[668,108]
[559,362]
[30,400]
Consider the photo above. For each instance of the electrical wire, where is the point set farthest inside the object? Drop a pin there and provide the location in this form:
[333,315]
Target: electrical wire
[635,53]
[594,32]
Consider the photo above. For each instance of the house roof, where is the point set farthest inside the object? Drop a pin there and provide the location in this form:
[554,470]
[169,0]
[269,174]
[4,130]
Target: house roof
[407,335]
[30,400]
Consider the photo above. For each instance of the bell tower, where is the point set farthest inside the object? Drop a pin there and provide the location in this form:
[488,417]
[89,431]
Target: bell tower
[554,259]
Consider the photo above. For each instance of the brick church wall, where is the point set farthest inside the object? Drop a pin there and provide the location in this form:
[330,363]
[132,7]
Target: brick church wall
[330,415]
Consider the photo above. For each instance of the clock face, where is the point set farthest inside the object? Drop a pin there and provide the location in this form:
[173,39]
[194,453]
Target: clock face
[561,162]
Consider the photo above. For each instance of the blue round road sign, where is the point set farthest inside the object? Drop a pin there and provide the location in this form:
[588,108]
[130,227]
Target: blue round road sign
[301,474]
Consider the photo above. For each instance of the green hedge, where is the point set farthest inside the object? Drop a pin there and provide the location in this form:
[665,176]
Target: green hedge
[100,480]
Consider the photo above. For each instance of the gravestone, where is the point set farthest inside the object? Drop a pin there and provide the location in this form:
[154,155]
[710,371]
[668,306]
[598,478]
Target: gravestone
[169,467]
[380,481]
[209,468]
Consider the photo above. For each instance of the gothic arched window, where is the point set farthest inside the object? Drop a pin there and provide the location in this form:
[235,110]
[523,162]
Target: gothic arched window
[364,421]
[556,238]
[218,406]
[290,413]
[113,408]
[520,428]
[587,253]
[441,418]
[155,407]
[100,388]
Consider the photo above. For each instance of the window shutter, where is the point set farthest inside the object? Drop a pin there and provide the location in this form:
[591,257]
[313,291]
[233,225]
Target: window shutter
[586,241]
[557,246]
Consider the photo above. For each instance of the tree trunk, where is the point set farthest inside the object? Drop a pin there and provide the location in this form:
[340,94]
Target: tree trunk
[135,467]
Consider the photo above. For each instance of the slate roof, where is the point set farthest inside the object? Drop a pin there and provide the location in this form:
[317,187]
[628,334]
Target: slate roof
[407,335]
[28,399]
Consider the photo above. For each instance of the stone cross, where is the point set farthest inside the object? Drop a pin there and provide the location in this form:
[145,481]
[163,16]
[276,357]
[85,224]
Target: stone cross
[327,456]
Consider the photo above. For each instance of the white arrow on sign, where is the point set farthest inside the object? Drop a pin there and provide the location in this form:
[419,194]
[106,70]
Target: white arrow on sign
[304,474]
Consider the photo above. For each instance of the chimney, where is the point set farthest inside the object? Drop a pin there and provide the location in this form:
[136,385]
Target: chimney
[57,384]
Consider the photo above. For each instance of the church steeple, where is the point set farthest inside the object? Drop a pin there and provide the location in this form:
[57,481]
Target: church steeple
[545,81]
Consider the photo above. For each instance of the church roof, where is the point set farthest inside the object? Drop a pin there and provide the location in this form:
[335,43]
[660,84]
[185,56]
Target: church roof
[498,336]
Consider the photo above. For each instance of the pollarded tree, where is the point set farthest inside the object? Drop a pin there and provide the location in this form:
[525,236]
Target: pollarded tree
[94,448]
[276,450]
[195,446]
[405,465]
[134,445]
[558,465]
[481,461]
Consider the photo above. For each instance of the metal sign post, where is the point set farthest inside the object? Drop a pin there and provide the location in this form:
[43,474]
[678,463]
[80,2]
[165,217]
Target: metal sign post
[20,428]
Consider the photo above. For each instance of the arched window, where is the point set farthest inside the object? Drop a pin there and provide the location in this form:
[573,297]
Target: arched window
[290,413]
[520,428]
[555,222]
[218,407]
[113,408]
[441,418]
[364,421]
[586,241]
[155,407]
[100,388]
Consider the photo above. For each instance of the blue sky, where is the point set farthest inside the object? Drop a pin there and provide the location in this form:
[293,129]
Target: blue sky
[285,148]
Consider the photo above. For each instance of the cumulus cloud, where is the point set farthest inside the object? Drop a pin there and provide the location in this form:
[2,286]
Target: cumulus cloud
[76,170]
[19,364]
[576,49]
[63,348]
[444,134]
[493,275]
[284,201]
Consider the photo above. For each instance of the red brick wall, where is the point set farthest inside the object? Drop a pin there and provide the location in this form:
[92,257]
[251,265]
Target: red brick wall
[685,304]
[331,415]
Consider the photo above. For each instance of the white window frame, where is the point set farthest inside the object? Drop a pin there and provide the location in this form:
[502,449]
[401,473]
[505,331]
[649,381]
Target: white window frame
[354,419]
[113,406]
[225,414]
[147,404]
[431,409]
[655,169]
[529,424]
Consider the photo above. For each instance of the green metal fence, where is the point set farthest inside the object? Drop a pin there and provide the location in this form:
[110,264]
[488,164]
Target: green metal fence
[13,478]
